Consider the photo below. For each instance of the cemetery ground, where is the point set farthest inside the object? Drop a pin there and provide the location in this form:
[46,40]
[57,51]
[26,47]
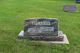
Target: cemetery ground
[14,12]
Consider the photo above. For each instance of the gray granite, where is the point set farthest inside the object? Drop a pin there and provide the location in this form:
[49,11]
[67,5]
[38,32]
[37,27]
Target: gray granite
[60,33]
[42,29]
[70,8]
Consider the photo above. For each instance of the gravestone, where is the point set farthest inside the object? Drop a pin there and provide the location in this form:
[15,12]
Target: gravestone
[42,29]
[70,8]
[78,1]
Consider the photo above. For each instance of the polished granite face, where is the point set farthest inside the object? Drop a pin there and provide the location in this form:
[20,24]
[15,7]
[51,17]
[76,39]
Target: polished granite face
[41,27]
[70,8]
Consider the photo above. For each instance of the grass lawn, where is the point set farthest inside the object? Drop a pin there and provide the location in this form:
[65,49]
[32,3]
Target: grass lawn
[14,12]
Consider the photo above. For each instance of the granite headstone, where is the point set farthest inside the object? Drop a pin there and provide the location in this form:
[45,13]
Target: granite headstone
[42,29]
[70,8]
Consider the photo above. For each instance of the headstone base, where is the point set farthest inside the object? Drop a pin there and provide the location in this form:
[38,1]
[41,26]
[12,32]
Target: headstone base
[61,39]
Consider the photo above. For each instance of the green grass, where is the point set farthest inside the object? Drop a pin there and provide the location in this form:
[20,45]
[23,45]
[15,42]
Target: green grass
[14,12]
